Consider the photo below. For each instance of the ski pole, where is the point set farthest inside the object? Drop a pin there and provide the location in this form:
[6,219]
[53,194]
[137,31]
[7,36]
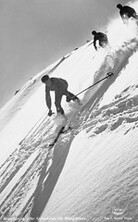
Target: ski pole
[31,130]
[109,74]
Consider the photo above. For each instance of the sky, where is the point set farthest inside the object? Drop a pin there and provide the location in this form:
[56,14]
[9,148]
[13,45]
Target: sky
[36,33]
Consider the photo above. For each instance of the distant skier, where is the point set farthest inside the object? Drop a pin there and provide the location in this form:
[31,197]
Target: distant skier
[127,12]
[101,37]
[59,86]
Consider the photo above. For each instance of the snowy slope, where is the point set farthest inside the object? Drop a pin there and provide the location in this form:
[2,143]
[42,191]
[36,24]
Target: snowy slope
[89,173]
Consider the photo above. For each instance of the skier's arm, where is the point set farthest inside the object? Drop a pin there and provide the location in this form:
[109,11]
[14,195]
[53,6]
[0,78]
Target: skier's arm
[48,98]
[94,43]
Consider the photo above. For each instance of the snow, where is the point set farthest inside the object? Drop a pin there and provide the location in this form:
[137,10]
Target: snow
[89,172]
[122,82]
[97,179]
[18,175]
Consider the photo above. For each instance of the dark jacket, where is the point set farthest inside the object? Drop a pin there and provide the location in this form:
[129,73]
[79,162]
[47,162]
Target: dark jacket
[127,10]
[59,86]
[101,37]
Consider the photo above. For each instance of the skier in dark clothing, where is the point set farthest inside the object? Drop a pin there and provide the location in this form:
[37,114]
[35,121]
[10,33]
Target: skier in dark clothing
[101,37]
[126,12]
[59,86]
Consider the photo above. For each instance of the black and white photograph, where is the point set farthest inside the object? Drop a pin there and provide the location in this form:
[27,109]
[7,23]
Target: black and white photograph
[68,111]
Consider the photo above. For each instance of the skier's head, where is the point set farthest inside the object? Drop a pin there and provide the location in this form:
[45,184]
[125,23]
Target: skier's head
[119,6]
[94,32]
[45,78]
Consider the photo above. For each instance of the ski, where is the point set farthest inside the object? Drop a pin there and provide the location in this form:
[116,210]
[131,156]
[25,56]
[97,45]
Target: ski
[59,133]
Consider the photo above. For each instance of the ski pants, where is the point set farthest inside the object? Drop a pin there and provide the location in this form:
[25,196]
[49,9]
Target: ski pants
[58,97]
[103,43]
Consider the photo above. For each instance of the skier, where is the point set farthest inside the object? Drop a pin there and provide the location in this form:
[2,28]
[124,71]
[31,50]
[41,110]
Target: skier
[126,12]
[101,37]
[59,86]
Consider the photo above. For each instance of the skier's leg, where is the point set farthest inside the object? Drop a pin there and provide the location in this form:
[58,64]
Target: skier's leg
[125,18]
[135,16]
[103,43]
[71,96]
[58,98]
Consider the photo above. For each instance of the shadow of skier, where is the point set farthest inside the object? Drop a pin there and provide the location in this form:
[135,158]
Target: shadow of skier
[48,179]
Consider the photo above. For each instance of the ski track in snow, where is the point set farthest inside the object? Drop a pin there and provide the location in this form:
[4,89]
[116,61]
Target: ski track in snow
[29,175]
[123,110]
[21,174]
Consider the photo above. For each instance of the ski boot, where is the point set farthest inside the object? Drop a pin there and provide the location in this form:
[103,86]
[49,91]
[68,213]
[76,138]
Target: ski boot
[76,99]
[60,110]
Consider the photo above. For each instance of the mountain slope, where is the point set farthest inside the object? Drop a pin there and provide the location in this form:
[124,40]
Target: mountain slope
[89,173]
